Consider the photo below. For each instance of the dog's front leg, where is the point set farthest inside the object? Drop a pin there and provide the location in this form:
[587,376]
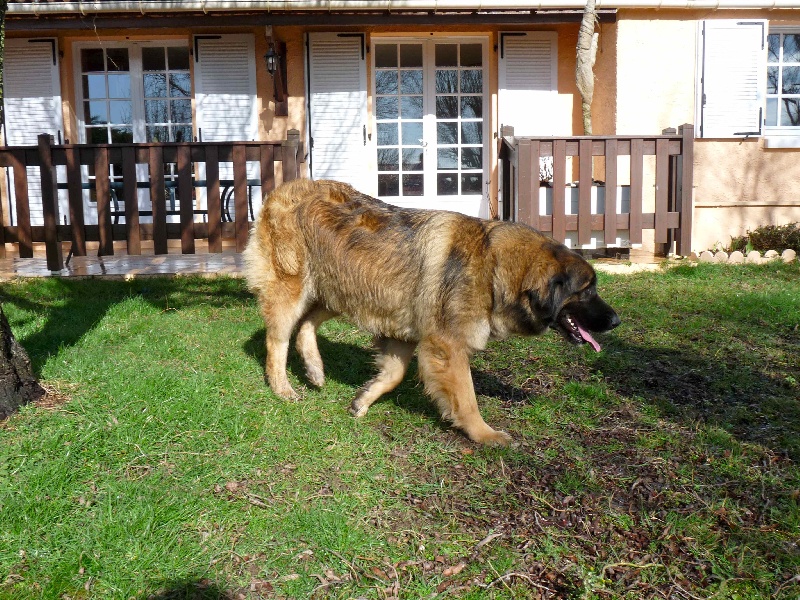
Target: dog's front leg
[392,360]
[445,372]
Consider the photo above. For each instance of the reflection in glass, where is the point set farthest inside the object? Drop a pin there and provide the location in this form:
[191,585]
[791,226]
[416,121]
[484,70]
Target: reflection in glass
[790,81]
[411,82]
[157,133]
[387,134]
[412,159]
[410,55]
[155,85]
[446,82]
[117,59]
[386,82]
[386,107]
[471,55]
[153,59]
[447,184]
[411,107]
[471,158]
[92,60]
[791,48]
[388,185]
[412,185]
[447,158]
[388,159]
[412,134]
[121,135]
[95,113]
[182,133]
[119,86]
[772,112]
[446,107]
[446,55]
[120,112]
[180,85]
[178,58]
[471,81]
[790,115]
[385,55]
[772,80]
[96,135]
[472,132]
[471,183]
[471,107]
[181,111]
[773,47]
[94,86]
[446,133]
[155,111]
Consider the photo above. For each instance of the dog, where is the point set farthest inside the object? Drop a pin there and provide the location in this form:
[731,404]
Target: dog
[437,282]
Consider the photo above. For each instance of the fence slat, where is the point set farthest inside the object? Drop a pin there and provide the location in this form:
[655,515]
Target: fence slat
[186,202]
[213,199]
[23,206]
[103,195]
[55,258]
[684,237]
[585,193]
[130,196]
[267,170]
[240,197]
[610,228]
[662,191]
[637,179]
[75,196]
[559,190]
[159,200]
[525,210]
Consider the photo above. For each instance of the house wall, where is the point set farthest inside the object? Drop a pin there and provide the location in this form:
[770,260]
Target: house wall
[738,184]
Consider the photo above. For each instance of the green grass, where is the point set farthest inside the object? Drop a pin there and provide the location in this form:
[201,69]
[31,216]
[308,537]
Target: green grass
[161,466]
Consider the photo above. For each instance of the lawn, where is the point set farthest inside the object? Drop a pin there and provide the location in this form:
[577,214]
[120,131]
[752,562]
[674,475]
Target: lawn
[160,466]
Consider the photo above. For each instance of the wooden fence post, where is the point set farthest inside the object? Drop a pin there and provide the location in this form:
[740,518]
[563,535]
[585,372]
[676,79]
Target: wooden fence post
[686,191]
[55,258]
[289,151]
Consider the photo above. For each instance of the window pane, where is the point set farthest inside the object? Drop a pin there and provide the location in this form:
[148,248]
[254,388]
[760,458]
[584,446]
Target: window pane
[385,55]
[155,111]
[472,133]
[790,81]
[386,82]
[412,185]
[412,134]
[388,185]
[386,107]
[155,85]
[790,112]
[471,158]
[446,133]
[121,135]
[471,81]
[182,133]
[94,86]
[446,107]
[387,134]
[181,111]
[447,158]
[446,81]
[791,48]
[388,159]
[772,112]
[772,80]
[412,159]
[117,59]
[411,107]
[92,60]
[119,86]
[180,85]
[96,135]
[95,113]
[410,82]
[773,47]
[471,183]
[120,112]
[178,58]
[153,59]
[447,184]
[446,55]
[158,134]
[471,107]
[471,55]
[410,55]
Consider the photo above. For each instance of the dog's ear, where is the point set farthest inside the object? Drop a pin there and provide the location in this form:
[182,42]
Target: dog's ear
[548,302]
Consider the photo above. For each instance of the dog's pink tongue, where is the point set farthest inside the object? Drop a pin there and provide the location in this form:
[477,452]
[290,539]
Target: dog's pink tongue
[587,337]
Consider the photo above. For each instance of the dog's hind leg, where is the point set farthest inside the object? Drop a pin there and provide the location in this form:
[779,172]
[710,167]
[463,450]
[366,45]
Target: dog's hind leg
[392,360]
[444,369]
[281,312]
[306,344]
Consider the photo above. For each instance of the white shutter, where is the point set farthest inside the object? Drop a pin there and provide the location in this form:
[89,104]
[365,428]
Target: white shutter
[225,88]
[337,107]
[528,83]
[32,101]
[733,67]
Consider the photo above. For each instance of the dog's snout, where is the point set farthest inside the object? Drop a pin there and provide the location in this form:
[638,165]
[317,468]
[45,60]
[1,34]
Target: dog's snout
[614,321]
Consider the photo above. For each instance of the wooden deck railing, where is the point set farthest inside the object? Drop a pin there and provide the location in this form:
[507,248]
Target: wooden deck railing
[671,219]
[117,199]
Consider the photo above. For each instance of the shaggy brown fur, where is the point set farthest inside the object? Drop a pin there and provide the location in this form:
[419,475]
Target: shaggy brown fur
[435,281]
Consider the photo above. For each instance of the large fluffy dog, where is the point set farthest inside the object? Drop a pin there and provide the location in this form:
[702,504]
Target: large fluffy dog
[437,281]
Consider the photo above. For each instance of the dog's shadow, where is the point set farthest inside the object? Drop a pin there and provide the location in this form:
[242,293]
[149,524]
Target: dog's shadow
[353,365]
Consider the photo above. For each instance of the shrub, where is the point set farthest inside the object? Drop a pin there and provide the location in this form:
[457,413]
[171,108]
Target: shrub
[768,237]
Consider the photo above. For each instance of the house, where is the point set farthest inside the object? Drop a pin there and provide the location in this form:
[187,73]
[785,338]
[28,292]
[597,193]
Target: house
[405,99]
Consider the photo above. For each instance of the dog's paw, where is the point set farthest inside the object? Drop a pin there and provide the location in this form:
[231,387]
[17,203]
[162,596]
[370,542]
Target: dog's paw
[492,437]
[287,393]
[358,410]
[315,375]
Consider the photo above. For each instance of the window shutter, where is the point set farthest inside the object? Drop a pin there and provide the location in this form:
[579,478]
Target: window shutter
[733,70]
[32,99]
[337,107]
[225,88]
[528,82]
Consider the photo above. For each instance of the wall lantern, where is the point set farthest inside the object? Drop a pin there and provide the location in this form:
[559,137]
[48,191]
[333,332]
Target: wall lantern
[273,59]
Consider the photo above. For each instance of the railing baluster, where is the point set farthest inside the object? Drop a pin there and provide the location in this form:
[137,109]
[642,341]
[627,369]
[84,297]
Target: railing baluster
[585,192]
[267,170]
[130,196]
[55,259]
[662,189]
[610,222]
[525,209]
[186,202]
[103,196]
[686,184]
[77,220]
[637,180]
[559,190]
[213,200]
[159,200]
[24,238]
[241,225]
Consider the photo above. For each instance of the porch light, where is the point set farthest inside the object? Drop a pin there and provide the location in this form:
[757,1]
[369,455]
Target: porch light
[273,59]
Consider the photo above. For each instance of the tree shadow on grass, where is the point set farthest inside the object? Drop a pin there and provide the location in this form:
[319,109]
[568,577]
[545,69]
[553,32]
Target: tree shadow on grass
[195,589]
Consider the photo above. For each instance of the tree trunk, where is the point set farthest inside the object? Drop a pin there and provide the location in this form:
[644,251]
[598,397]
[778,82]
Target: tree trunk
[584,63]
[18,386]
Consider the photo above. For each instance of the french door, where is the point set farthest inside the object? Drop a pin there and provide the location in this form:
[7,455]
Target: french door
[430,109]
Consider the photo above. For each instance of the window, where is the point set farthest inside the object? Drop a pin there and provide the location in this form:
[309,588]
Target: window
[783,80]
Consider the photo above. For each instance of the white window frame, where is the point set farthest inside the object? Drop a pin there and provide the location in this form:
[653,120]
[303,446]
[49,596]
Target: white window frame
[781,136]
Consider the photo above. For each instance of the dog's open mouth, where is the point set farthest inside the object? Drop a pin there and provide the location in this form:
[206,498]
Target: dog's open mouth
[575,334]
